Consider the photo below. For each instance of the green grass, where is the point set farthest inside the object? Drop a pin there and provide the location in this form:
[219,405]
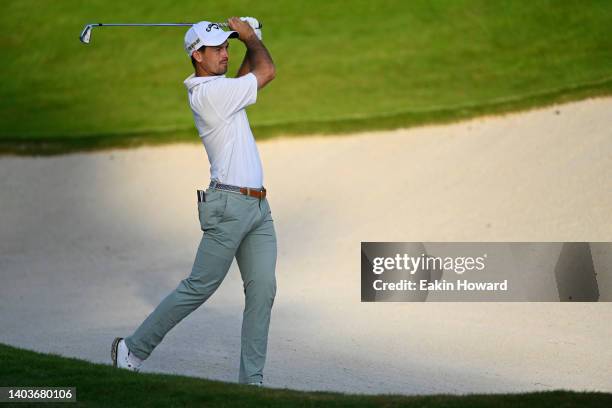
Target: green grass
[103,386]
[341,66]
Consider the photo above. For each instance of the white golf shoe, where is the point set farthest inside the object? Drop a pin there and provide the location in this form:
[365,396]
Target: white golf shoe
[122,357]
[257,384]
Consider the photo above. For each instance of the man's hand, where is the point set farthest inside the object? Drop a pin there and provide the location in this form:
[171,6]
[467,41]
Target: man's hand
[254,25]
[244,29]
[257,59]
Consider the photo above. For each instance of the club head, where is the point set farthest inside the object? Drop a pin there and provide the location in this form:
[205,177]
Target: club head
[86,34]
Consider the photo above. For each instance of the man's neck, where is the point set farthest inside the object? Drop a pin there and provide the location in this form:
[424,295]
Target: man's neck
[199,72]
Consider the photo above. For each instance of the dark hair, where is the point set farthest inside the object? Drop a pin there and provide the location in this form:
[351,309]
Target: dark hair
[193,61]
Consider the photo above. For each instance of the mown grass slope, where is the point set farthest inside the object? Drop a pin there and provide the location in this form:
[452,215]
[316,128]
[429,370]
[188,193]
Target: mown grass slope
[342,65]
[100,385]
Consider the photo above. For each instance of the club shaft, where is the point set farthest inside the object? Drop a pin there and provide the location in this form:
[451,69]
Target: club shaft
[148,24]
[86,33]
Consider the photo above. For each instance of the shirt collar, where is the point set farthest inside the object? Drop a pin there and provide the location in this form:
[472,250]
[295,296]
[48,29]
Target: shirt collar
[192,80]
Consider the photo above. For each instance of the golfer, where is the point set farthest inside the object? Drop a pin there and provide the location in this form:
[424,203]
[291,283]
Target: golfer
[234,213]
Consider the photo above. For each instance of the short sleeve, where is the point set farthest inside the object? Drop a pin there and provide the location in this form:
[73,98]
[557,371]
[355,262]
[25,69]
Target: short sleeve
[230,95]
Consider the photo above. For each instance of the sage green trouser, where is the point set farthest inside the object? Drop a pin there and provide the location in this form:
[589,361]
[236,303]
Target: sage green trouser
[233,225]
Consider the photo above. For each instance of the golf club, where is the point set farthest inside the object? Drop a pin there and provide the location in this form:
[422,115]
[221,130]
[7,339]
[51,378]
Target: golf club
[85,36]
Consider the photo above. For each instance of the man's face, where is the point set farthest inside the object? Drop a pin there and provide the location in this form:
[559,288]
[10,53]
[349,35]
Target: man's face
[214,59]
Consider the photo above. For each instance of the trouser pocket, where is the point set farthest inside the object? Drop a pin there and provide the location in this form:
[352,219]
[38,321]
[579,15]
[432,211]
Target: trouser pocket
[211,207]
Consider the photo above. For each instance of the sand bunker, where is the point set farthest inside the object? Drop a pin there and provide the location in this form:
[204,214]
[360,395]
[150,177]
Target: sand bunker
[90,243]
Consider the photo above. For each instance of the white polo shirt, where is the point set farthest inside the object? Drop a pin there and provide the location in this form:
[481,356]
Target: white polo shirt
[218,105]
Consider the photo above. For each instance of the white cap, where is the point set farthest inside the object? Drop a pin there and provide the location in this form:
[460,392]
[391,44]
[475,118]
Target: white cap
[206,33]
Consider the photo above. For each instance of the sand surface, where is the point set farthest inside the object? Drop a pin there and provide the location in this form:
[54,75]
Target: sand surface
[90,243]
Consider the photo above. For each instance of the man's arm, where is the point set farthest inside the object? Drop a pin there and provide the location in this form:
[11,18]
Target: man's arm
[257,58]
[245,67]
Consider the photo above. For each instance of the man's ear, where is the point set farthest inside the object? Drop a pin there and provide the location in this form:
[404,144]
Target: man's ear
[198,56]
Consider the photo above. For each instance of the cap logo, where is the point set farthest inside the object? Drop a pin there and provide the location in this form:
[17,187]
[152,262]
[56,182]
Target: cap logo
[211,26]
[193,44]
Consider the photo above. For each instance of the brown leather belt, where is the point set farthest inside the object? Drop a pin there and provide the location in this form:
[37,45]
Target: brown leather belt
[253,193]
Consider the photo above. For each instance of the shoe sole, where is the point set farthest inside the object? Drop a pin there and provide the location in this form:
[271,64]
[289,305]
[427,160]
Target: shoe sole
[114,348]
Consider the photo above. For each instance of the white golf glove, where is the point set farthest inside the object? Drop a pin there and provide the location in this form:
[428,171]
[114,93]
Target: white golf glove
[254,24]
